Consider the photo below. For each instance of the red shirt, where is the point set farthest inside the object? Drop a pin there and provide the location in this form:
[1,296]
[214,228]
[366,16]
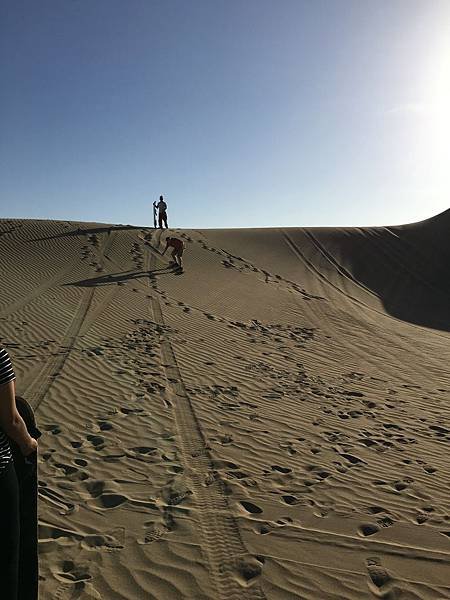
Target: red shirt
[175,243]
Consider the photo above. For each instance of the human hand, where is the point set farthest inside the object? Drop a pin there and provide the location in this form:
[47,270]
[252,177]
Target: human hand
[31,447]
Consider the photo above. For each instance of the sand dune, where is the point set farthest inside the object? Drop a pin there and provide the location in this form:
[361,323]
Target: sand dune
[273,423]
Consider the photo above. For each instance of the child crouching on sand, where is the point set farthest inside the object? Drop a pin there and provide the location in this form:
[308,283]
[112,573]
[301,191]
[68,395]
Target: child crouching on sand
[177,252]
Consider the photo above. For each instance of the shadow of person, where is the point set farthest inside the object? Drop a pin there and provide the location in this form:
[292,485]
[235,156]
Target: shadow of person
[116,278]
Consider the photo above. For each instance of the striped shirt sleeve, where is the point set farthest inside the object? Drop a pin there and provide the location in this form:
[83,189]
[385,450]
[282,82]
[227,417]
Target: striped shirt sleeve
[6,370]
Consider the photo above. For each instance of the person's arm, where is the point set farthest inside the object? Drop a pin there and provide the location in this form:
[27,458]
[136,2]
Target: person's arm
[11,422]
[165,249]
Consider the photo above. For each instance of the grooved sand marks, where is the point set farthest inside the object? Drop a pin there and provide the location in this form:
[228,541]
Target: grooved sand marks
[94,314]
[46,284]
[38,389]
[38,290]
[231,567]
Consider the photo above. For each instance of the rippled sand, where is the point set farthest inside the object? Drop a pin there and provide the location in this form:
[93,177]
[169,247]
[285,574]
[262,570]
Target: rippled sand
[272,423]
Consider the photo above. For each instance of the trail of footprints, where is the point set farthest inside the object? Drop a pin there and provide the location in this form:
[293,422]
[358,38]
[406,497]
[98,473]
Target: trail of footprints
[335,402]
[71,478]
[90,252]
[229,261]
[386,436]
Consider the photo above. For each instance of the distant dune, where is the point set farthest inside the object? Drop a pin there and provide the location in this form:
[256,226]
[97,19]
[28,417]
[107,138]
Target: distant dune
[272,423]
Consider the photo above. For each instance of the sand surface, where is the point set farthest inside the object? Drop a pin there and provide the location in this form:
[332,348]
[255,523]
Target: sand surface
[273,423]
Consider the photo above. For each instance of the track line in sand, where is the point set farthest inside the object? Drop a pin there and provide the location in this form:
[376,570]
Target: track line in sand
[42,382]
[309,265]
[39,387]
[378,330]
[231,566]
[38,291]
[339,268]
[375,330]
[48,283]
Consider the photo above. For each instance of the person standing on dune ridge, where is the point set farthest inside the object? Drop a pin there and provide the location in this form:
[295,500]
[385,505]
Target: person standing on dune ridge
[162,213]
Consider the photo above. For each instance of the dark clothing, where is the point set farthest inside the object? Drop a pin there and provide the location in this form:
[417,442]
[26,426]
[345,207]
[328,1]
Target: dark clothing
[161,206]
[162,218]
[26,471]
[18,517]
[177,250]
[10,533]
[162,214]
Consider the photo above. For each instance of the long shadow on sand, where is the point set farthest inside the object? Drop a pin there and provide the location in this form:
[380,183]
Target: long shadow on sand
[116,278]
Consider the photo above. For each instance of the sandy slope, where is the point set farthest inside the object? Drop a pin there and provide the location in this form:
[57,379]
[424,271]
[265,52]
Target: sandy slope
[274,423]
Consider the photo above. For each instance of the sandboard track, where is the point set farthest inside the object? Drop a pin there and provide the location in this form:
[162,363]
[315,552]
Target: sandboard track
[339,268]
[50,282]
[299,254]
[227,557]
[39,290]
[391,372]
[375,330]
[39,387]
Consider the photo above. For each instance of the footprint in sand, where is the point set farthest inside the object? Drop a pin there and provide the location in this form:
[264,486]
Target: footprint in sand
[281,469]
[144,450]
[155,533]
[248,569]
[262,528]
[374,510]
[97,441]
[250,508]
[429,470]
[76,444]
[67,469]
[225,439]
[291,500]
[111,500]
[354,460]
[379,578]
[439,431]
[53,428]
[68,571]
[385,521]
[400,486]
[174,493]
[421,519]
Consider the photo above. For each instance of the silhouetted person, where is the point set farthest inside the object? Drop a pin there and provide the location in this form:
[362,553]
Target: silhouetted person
[162,212]
[177,246]
[16,570]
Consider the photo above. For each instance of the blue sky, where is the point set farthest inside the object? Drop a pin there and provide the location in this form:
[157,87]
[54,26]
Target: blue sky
[243,113]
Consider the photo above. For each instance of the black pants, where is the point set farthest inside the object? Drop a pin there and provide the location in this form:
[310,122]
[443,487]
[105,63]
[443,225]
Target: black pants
[26,472]
[9,533]
[162,219]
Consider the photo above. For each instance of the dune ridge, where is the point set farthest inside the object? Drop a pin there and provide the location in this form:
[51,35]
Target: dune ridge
[272,423]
